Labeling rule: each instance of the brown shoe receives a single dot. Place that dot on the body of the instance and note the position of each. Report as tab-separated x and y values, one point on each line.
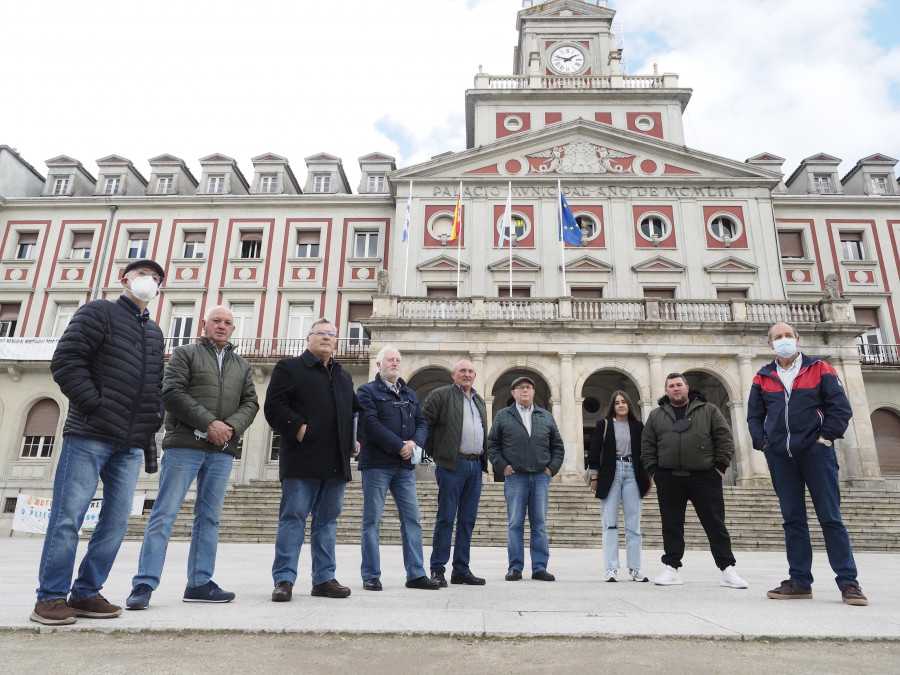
853	595
789	591
53	612
330	589
283	591
95	607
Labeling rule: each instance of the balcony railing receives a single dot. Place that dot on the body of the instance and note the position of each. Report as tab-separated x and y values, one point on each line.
880	354
576	81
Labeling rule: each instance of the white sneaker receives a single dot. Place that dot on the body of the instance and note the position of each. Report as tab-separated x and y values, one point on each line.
731	579
612	575
637	575
669	577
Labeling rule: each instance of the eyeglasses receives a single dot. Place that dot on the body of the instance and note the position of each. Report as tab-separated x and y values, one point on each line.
525	387
329	333
145	273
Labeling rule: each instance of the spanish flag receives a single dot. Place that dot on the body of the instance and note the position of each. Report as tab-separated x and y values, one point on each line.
457	216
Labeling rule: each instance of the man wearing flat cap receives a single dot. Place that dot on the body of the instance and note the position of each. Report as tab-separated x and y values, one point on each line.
526	447
109	364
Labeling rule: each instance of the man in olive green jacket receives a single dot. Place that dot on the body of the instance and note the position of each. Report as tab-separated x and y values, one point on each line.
210	400
686	448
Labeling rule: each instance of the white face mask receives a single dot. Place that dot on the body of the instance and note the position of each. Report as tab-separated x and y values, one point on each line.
785	347
144	288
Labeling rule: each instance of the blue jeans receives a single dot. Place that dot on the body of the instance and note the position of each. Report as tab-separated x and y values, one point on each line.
179	468
402	484
531	492
83	462
324	498
624	491
458	495
817	469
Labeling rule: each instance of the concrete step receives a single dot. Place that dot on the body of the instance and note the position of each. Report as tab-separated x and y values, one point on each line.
250	514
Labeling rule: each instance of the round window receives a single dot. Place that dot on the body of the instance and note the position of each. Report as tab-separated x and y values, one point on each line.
520	227
724	227
590	226
644	122
654	227
441	226
512	123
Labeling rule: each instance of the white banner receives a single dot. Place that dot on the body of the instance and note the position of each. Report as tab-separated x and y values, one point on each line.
27	349
33	513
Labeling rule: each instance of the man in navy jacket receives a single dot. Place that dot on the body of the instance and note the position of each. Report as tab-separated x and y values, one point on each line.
797	409
395	428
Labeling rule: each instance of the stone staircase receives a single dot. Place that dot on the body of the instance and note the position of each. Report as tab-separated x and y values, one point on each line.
250	514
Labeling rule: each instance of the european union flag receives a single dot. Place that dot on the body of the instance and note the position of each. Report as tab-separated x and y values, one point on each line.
571	233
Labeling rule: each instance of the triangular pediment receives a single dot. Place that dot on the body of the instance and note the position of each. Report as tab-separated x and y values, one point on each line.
731	264
377	157
588	264
216	159
658	264
62	159
518	265
584	148
878	157
441	263
822	157
269	157
165	159
113	159
321	157
766	157
566	8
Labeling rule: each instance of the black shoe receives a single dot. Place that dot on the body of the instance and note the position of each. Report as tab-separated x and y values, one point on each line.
330	589
440	578
466	578
513	575
423	583
543	575
372	585
283	591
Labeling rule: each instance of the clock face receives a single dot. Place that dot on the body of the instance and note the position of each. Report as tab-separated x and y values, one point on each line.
567	59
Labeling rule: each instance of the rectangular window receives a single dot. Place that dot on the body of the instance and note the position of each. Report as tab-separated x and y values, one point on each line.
268	183
587	293
61	186
322	182
440	292
869	342
366	245
300	318
81	245
791	245
251	245
824	184
377	183
244	322
137	244
9	317
164	185
194	244
517	292
663	293
64	312
37	446
27	246
852	246
357	336
308	243
112	186
216	185
879	185
182	325
731	293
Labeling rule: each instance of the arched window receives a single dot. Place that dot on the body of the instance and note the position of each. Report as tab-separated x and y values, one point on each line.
40	429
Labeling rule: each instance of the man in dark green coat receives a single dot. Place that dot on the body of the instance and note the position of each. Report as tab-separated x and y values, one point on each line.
210	400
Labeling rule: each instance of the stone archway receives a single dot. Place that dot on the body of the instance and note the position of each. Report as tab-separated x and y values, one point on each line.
886	427
596	395
502	396
717	393
426	381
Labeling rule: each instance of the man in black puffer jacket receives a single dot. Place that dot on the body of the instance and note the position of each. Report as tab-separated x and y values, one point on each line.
109	364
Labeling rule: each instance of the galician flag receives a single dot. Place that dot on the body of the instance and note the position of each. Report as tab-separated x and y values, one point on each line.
506	225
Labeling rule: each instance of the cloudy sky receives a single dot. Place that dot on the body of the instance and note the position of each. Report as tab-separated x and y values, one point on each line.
295	77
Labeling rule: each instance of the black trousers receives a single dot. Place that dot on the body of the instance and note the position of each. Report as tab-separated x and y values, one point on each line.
704	490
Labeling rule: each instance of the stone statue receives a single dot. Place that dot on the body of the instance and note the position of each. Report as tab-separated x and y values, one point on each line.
384	282
832	287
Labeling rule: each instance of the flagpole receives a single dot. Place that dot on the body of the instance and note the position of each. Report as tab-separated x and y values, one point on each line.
562	244
407	233
510	232
459	240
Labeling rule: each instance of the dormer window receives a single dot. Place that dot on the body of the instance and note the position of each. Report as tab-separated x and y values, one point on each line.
61	186
268	183
112	186
216	185
323	182
879	185
824	184
164	185
377	184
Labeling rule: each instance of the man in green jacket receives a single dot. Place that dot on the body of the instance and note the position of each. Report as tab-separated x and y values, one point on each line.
457	441
686	448
526	447
210	400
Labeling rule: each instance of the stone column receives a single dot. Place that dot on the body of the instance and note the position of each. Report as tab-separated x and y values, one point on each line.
478	363
569	421
657	377
857	448
751	467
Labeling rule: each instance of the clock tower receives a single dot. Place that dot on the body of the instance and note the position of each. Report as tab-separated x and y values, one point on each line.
567	66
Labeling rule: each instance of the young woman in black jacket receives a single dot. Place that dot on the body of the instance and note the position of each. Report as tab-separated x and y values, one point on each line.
618	477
